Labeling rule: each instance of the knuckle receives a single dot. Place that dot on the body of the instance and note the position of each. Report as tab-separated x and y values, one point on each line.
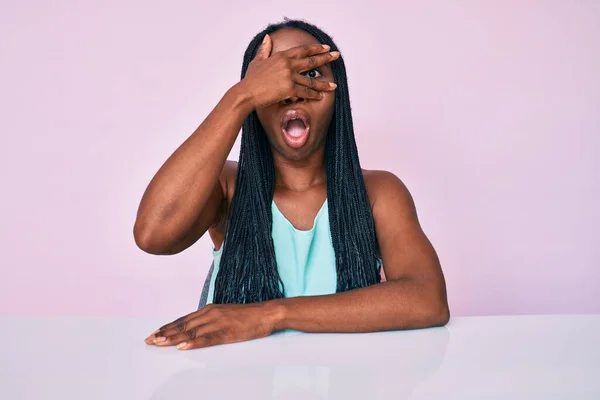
302	50
214	312
180	324
220	335
209	337
191	333
312	60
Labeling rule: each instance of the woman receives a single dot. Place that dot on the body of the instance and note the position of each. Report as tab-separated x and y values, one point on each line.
300	231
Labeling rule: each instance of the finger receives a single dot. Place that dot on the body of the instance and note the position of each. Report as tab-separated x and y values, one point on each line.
315	84
191	334
150	338
183	324
164	335
314	61
306	92
306	50
264	51
212	338
174	338
178	324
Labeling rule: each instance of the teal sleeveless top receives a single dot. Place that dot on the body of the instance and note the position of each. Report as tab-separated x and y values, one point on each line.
305	259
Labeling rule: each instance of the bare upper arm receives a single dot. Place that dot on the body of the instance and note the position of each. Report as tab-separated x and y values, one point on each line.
214	213
406	251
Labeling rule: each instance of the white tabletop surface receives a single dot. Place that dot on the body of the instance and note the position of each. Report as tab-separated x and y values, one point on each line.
517	357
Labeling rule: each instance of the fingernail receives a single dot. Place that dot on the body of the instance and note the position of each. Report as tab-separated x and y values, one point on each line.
265	39
159	339
335	54
326	47
333	85
181	345
151	336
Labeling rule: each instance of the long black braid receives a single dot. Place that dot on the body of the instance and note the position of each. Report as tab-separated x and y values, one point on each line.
248	269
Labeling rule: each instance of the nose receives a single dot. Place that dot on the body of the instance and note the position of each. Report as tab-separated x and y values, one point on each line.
293	100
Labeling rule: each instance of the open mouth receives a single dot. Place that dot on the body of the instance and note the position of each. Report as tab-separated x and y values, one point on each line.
295	126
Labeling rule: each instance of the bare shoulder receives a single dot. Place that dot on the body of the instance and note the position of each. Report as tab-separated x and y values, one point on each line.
385	188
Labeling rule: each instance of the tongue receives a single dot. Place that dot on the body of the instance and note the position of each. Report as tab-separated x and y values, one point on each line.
295	128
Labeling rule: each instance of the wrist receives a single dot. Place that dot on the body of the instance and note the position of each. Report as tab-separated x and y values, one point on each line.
276	312
241	97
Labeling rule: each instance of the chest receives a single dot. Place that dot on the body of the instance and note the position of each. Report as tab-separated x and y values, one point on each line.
300	210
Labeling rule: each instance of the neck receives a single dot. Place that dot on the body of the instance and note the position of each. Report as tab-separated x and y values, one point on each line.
300	175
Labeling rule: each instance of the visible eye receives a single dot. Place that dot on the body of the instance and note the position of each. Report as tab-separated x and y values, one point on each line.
313	73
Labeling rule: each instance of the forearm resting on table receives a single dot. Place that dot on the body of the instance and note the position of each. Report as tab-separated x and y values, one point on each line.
392	305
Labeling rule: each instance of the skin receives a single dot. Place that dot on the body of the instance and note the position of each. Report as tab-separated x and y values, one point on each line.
198	177
300	179
320	111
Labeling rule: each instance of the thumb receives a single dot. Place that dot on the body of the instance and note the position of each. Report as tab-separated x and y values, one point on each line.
264	51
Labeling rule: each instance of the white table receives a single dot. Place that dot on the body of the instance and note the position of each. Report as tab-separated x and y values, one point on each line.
519	357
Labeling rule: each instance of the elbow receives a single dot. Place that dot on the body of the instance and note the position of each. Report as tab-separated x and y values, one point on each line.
438	313
433	316
442	316
435	312
146	241
429	307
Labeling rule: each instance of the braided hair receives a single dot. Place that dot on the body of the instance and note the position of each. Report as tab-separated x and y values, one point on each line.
248	268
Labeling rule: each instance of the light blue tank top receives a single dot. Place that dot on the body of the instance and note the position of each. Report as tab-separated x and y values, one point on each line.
305	259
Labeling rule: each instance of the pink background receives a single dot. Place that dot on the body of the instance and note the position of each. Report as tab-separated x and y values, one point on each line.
489	112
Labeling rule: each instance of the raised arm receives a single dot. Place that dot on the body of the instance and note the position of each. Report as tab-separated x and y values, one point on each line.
188	191
187	195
